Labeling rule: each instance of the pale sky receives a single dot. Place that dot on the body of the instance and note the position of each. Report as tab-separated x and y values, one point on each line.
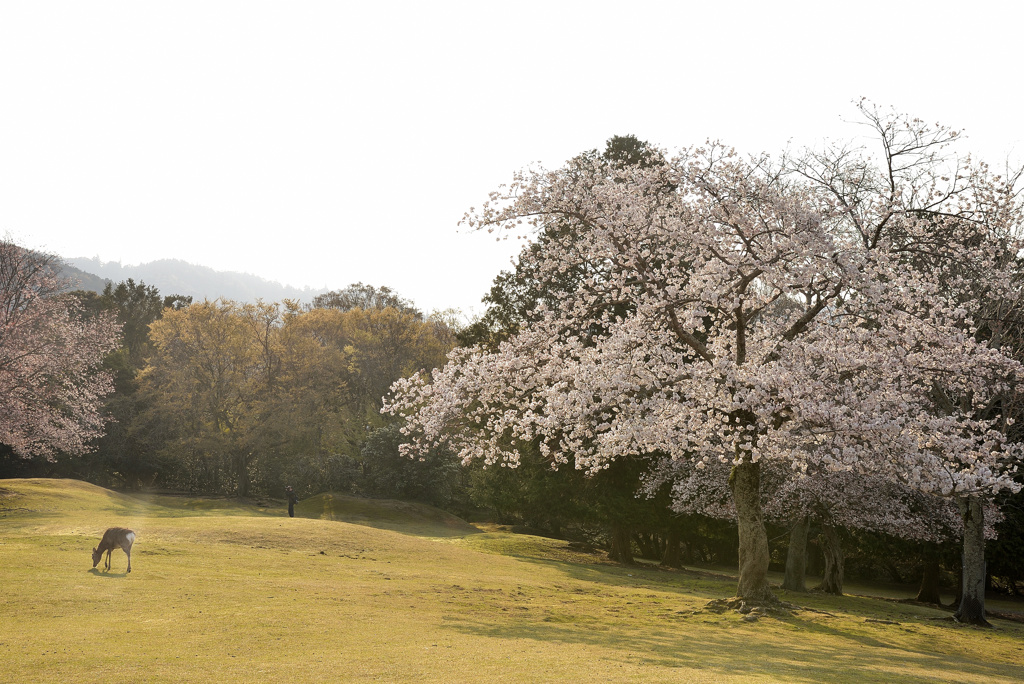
323	143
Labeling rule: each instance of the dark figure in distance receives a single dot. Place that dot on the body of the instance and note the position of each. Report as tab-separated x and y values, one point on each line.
292	500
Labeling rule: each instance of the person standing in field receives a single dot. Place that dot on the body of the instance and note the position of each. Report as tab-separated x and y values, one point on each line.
292	500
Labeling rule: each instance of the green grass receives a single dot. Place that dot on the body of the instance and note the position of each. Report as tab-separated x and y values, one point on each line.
355	590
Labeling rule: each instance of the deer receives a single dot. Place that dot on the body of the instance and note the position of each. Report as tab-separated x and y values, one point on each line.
113	538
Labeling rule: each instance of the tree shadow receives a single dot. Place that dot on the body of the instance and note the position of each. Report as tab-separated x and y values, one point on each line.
723	646
729	648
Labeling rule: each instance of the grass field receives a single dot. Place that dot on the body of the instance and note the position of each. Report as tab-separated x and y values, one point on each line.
355	590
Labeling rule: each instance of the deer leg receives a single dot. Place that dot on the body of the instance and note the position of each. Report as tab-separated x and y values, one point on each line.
128	552
107	566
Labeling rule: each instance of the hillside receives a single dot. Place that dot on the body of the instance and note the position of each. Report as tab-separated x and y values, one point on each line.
80	280
224	591
173	276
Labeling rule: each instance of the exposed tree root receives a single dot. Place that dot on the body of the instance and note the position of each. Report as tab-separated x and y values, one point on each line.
752	610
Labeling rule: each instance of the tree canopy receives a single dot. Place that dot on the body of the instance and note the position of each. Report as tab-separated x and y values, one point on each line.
817	311
51	380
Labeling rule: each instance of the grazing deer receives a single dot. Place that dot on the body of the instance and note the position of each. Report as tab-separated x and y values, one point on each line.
113	538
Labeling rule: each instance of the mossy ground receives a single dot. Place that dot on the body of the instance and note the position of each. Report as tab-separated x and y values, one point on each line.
354	590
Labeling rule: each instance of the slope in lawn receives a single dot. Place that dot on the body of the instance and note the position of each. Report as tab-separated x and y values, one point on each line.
385	514
220	591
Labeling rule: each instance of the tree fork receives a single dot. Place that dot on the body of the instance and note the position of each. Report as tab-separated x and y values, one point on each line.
672	557
832	547
621	545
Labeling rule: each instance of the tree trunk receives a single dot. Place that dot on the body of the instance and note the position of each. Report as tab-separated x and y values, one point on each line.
648	545
892	569
832	549
745	483
672	557
796	557
972	595
622	546
242	473
929	591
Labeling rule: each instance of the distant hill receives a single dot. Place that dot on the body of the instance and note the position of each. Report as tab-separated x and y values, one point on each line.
173	276
80	280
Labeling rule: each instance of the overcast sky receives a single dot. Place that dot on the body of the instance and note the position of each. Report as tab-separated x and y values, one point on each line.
323	143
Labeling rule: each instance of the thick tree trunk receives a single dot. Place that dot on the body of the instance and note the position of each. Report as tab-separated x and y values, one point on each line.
745	483
832	549
796	557
929	591
972	594
672	557
622	546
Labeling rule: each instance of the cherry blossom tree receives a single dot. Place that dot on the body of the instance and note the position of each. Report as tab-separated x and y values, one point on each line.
832	500
51	381
999	314
808	311
845	500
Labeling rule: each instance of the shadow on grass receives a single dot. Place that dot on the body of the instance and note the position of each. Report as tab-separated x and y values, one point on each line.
726	648
109	575
685	582
801	647
700	584
410	518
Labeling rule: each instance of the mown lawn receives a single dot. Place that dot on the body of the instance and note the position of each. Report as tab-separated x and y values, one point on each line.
384	591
